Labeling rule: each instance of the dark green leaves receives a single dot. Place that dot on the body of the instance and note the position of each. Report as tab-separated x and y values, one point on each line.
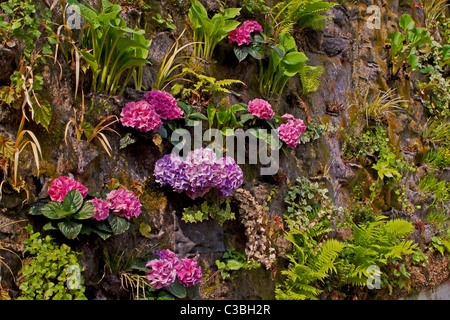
66	216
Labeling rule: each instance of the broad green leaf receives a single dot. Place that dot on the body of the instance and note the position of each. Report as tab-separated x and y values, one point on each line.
42	113
406	23
70	228
234	264
211	112
54	210
241	53
87	211
177	289
396	39
72	201
118	224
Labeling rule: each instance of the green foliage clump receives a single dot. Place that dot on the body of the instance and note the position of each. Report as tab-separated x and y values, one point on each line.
204	211
234	261
318	262
52	273
210	31
110	48
404	46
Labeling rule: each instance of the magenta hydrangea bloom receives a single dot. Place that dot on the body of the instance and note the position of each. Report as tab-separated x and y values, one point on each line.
165	104
62	185
242	35
140	115
188	272
101	209
170	170
169	255
233	177
261	108
124	203
163	272
290	131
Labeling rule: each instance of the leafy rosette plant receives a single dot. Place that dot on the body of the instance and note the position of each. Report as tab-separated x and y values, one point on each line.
72	214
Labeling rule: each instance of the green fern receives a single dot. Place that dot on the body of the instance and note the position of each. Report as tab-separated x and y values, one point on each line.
309	265
308	13
376	243
310	78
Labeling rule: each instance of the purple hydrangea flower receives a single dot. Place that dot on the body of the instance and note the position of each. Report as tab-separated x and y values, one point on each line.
232	179
170	170
199	173
169	255
203	171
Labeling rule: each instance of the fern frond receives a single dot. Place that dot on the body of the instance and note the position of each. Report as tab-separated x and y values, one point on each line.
310	78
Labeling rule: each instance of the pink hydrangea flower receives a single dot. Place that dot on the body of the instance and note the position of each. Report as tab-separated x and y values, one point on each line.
251	26
165	104
140	115
61	186
290	131
188	272
261	109
163	273
124	203
167	254
101	209
242	35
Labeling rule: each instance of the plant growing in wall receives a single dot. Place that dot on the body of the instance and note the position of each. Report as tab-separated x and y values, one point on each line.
110	48
72	215
51	272
405	46
210	31
284	62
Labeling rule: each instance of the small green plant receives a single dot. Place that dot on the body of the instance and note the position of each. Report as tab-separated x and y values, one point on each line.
440	244
405	46
439	158
439	190
436	132
172	62
110	48
302	13
51	272
311	263
199	213
380	106
284	62
166	23
210	31
233	262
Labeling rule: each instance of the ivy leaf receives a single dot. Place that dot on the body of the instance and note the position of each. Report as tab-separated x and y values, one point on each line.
69	228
